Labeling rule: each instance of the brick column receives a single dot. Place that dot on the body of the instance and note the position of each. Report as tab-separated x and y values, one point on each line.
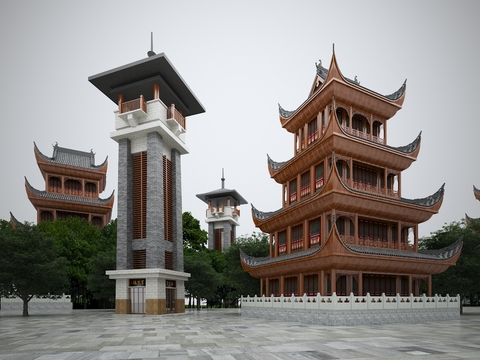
124	206
177	210
155	244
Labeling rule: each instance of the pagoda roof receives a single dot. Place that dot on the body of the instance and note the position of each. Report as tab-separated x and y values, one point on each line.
398	158
469	220
138	78
476	192
13	220
335	193
87	203
335	253
222	193
73	158
331	82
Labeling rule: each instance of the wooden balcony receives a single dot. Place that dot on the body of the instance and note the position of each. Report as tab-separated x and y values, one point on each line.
136	104
173	113
362	134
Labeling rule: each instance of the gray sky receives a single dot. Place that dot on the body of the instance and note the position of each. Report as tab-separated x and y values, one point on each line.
242	58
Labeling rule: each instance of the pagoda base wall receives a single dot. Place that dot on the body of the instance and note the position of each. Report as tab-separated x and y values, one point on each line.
353	310
354	317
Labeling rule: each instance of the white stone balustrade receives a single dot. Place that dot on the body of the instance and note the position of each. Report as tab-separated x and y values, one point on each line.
353	302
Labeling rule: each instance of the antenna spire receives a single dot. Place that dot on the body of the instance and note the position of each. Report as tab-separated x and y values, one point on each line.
223	180
151	52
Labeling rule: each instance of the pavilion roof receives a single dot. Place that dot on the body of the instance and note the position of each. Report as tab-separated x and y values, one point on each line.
70	157
69	198
324	76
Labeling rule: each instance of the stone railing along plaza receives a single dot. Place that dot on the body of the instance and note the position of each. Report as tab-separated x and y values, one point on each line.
41	302
351	310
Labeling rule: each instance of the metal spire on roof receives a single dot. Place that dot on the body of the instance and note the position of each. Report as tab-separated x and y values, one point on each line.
223	180
151	52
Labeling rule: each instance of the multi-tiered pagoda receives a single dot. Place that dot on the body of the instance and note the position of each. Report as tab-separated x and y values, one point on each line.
344	226
73	183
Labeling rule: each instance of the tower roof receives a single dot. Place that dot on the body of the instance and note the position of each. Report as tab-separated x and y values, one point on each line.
138	78
223	193
70	157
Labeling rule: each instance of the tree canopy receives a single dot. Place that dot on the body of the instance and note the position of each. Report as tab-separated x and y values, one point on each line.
90	251
218	277
30	263
463	278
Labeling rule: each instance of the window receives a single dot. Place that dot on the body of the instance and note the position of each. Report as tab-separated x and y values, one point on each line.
46	216
274	287
314	238
305	189
168	260
297	238
290	286
377	285
293	190
54	184
73	187
139	186
318	176
168	198
364	176
341	286
373	231
310	284
139	259
97	221
90	189
343	118
282	242
218	239
312	131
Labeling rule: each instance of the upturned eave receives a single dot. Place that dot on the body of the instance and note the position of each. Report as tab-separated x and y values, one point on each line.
335	254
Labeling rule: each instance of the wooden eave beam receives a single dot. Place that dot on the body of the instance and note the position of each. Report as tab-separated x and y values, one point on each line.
335	255
359	149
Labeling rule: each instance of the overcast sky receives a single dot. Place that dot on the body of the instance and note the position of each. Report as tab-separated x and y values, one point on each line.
241	59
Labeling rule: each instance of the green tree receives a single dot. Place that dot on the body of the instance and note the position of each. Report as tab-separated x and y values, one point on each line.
204	280
29	263
99	285
78	241
463	278
239	281
193	236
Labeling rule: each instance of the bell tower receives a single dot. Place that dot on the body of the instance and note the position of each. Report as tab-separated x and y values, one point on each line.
150	125
222	216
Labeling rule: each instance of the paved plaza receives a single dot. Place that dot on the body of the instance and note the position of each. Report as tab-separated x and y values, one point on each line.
225	334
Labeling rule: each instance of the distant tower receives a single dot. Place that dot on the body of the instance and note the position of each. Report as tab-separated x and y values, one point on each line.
73	183
153	101
222	216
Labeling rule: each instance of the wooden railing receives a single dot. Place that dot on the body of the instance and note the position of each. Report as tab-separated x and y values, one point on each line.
362	134
136	104
173	113
372	188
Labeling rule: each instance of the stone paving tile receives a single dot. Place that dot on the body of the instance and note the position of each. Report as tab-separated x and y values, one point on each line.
224	334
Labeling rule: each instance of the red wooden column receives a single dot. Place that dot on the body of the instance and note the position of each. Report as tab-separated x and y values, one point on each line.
360	283
321	283
301	285
333	281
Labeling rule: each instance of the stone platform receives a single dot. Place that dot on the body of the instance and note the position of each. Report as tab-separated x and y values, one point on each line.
224	334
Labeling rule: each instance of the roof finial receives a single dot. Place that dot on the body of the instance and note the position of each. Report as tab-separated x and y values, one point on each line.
333	47
223	180
151	53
